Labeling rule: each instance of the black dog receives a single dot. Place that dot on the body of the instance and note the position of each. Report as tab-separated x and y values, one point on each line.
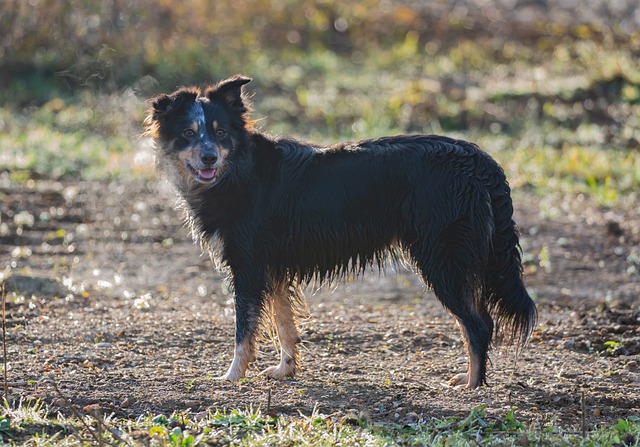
279	213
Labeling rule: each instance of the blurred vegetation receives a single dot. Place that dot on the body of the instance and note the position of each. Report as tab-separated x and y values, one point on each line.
547	91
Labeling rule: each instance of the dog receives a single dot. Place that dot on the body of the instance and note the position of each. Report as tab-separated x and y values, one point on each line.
278	213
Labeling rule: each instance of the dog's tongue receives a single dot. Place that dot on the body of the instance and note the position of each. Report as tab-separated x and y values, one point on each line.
207	173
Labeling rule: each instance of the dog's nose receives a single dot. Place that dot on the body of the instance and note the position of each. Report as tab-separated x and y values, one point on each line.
209	159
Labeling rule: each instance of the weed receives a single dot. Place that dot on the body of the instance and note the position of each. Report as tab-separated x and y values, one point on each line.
613	347
604	192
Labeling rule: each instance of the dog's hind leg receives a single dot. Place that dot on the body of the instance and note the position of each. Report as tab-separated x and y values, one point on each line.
476	327
448	266
476	332
288	336
475	323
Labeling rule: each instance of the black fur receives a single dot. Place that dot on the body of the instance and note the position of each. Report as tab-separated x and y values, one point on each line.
290	212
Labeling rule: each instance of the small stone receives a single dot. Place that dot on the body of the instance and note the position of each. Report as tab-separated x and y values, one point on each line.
597	412
104	345
91	407
631	365
412	417
567	344
192	404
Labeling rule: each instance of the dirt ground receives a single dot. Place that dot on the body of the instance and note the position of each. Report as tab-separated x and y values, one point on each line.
108	298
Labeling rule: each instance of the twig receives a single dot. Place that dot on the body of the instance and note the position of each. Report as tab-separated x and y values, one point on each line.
96	416
76	414
583	407
113	432
4	343
269	401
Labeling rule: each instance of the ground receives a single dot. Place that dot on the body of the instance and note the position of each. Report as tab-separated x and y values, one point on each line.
108	299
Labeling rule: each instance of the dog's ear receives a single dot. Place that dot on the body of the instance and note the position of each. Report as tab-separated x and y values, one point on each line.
162	106
165	104
230	92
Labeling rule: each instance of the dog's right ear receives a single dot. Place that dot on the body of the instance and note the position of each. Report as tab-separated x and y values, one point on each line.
165	104
162	106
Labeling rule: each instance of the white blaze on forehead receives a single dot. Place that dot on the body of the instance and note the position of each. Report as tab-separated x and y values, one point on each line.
196	116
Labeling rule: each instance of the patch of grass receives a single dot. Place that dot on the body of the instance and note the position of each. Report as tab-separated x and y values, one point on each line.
91	138
32	424
607	176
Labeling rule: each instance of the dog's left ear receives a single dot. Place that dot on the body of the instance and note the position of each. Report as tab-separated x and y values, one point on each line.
230	92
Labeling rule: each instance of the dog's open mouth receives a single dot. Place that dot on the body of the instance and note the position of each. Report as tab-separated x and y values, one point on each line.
207	175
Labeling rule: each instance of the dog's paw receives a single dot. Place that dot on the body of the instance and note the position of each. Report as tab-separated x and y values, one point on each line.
280	372
465	380
461	379
231	376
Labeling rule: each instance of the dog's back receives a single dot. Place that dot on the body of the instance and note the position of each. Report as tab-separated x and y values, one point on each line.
338	209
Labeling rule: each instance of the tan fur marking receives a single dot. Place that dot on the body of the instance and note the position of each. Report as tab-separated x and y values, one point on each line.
195	126
460	379
151	126
185	177
243	354
288	335
216	125
189	154
471	378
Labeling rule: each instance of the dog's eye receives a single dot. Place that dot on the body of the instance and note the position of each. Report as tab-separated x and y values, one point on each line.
220	133
188	133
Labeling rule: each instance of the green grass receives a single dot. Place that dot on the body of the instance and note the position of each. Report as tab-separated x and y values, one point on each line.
93	137
32	424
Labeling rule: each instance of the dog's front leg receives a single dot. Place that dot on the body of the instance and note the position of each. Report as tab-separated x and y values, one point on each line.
249	306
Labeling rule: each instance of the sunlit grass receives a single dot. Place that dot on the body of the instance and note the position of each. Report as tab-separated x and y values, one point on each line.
32	424
605	175
91	138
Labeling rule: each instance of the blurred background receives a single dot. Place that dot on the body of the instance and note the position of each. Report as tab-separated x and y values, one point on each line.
555	83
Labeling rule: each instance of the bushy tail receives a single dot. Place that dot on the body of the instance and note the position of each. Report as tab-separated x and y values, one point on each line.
504	292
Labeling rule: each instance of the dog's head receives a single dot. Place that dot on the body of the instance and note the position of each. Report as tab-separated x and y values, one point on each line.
197	135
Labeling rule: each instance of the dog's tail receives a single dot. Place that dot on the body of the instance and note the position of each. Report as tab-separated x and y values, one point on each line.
504	292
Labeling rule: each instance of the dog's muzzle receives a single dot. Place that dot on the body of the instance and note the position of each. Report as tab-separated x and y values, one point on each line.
206	171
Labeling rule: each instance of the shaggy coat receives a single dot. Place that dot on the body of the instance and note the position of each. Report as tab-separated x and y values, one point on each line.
279	213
